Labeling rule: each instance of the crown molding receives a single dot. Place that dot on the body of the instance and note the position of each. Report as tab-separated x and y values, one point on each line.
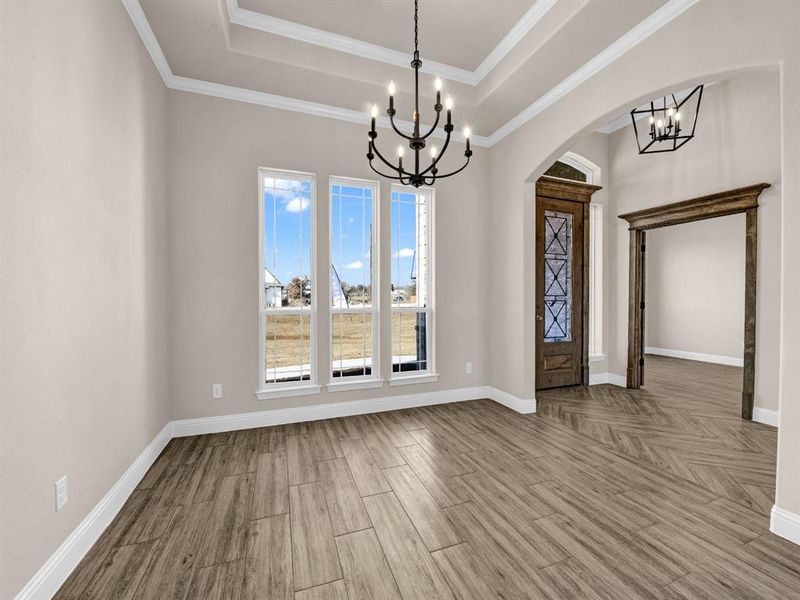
341	43
629	40
218	90
149	40
512	38
639	33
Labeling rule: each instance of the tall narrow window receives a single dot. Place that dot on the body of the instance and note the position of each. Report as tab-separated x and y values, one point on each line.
287	275
412	297
354	266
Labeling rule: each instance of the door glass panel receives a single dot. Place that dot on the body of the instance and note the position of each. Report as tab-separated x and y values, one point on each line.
557	276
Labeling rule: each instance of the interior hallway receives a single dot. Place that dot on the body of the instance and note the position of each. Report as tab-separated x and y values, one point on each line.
606	493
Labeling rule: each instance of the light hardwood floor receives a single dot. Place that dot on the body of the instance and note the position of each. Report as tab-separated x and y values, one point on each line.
661	493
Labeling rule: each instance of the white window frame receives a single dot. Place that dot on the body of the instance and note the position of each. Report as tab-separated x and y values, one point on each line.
266	391
374	379
429	375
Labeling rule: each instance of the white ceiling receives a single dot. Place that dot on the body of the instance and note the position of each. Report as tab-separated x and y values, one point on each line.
502	60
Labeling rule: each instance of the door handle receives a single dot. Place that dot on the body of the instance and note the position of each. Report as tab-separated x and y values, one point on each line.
539	318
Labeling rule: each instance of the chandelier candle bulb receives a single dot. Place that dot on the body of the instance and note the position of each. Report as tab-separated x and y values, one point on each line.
434	151
392	90
374	114
438	87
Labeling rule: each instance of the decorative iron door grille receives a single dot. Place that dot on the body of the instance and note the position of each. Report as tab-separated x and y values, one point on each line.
557	276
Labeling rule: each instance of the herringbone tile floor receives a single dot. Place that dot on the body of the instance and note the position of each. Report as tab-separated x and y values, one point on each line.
684	421
606	494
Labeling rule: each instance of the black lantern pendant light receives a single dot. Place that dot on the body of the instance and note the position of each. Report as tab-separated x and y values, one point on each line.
670	125
416	175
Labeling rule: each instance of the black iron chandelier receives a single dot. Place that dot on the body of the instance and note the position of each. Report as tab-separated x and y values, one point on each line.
416	142
669	126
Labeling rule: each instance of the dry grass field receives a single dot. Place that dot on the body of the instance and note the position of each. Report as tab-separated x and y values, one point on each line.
288	338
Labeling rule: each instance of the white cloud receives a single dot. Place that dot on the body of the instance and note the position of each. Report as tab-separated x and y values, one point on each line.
357	264
404	253
297	205
350	220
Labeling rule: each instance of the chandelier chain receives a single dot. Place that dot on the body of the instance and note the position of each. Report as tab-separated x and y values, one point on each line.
416	26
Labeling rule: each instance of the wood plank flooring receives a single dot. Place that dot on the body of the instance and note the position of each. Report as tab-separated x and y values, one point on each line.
660	493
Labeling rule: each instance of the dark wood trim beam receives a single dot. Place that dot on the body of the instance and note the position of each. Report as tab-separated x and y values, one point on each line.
635	370
697	209
564	189
750	279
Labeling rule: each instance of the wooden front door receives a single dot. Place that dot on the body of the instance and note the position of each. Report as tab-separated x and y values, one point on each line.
562	293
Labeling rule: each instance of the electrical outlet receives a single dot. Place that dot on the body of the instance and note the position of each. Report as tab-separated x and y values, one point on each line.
468	367
216	391
62	494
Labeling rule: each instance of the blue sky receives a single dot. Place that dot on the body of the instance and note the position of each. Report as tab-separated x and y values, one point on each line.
287	231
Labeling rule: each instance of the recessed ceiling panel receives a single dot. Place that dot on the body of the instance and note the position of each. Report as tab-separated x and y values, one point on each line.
460	33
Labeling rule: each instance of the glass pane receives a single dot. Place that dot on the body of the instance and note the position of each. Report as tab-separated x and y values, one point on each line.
351	245
287	242
557	276
351	344
288	348
409	341
410	248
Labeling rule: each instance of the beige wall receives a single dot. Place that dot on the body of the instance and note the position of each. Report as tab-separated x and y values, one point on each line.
84	363
695	272
215	149
695	288
704	43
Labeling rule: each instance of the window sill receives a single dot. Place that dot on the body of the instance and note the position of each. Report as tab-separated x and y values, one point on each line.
412	379
362	384
597	357
285	392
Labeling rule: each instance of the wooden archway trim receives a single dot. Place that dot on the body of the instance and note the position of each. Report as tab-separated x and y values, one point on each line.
731	202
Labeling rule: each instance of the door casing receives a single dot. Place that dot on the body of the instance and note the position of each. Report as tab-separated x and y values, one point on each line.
731	202
554	191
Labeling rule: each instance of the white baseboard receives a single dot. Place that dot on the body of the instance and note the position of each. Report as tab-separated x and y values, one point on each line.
612	378
525	406
719	359
54	572
50	577
316	412
765	416
785	524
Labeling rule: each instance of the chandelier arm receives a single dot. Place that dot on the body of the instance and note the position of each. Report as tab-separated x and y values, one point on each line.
464	166
433	128
386	162
397	131
384	174
440	155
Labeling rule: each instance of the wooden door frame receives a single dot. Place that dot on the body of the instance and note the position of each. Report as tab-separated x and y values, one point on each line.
731	202
575	191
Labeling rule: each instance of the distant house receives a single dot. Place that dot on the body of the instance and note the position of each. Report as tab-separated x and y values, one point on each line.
273	290
399	295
